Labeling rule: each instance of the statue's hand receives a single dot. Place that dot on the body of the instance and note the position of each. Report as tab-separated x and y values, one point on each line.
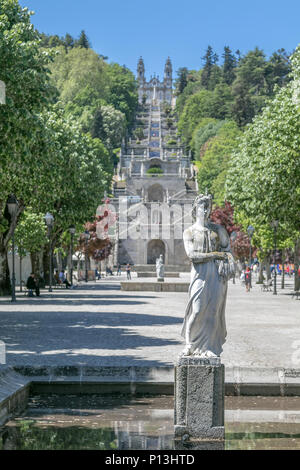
227	268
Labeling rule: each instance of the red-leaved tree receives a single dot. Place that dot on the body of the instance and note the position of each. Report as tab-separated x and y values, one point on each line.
99	245
225	216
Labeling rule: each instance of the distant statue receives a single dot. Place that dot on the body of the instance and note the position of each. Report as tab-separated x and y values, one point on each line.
208	247
160	270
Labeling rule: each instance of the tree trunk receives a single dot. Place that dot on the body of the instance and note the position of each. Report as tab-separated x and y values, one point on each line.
296	264
5	286
46	264
59	261
268	269
35	264
261	273
5	237
21	285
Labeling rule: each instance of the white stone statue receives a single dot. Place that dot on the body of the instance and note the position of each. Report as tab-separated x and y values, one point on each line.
160	270
208	247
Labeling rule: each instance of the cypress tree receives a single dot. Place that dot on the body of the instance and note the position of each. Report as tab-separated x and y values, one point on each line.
83	41
69	41
228	66
211	73
182	80
210	60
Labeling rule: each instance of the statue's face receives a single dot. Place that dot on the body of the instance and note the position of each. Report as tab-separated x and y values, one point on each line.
203	208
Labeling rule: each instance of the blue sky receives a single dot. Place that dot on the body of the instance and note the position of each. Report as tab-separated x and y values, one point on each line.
182	29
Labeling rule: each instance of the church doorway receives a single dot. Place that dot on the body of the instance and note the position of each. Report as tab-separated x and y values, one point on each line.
156	193
155	249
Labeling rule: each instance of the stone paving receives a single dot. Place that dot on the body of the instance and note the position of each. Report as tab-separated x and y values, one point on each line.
99	325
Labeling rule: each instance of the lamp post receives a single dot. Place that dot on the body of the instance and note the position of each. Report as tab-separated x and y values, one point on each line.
87	237
49	219
72	231
12	206
250	231
233	237
274	225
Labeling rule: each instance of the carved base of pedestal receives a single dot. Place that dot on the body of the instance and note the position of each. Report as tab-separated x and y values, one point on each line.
199	399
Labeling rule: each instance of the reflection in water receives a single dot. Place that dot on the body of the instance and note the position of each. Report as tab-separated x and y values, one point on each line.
124	422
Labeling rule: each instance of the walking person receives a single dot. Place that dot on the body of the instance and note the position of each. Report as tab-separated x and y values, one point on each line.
32	285
97	275
63	279
128	271
119	272
248	279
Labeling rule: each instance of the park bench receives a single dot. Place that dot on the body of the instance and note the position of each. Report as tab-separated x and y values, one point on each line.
267	287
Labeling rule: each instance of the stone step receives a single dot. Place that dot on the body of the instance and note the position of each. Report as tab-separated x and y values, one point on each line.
140	286
151	268
143	274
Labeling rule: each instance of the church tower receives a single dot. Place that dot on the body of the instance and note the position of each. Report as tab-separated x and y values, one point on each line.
168	73
141	72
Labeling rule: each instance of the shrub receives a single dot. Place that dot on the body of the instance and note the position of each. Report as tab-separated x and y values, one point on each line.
155	170
172	142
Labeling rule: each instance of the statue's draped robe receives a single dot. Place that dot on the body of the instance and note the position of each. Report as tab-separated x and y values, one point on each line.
207	301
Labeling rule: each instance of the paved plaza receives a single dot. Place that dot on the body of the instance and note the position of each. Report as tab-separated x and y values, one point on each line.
98	324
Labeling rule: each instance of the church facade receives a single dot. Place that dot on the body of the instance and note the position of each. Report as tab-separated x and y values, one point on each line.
155	183
155	90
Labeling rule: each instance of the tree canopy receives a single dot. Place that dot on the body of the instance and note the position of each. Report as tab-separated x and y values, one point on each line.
263	179
51	162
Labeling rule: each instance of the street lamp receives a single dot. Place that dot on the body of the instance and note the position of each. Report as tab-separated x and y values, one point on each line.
233	237
72	231
12	206
274	225
87	237
49	219
250	231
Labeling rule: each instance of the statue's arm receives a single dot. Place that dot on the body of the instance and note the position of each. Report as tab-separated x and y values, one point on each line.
197	256
228	269
188	243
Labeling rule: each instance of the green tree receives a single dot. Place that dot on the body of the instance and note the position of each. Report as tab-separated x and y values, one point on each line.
31	236
77	70
24	70
229	66
222	101
197	107
206	129
280	69
212	168
210	74
250	88
83	41
113	124
122	91
86	83
181	80
264	172
69	41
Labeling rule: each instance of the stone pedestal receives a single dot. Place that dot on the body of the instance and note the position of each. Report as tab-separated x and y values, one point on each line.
199	399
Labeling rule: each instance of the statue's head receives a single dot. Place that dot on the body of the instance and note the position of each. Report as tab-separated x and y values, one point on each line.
203	205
